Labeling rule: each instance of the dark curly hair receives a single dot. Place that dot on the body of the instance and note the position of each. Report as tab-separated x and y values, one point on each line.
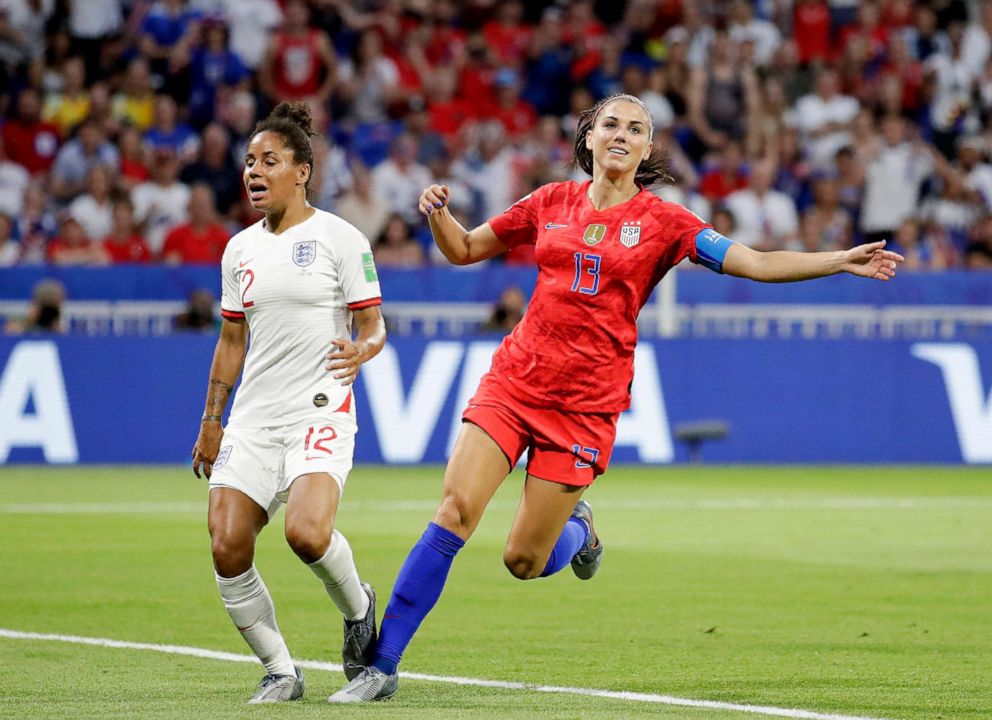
651	171
294	124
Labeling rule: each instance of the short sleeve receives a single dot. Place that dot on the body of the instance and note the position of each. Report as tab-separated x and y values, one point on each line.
357	273
686	226
230	299
517	225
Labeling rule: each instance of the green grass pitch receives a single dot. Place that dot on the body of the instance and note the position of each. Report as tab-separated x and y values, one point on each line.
854	591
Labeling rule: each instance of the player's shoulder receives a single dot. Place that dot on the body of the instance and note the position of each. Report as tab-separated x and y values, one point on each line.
243	237
555	193
334	231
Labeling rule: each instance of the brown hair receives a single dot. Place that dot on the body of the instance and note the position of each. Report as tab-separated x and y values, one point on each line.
294	124
651	171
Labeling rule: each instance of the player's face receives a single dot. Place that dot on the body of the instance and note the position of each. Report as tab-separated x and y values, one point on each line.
620	139
271	173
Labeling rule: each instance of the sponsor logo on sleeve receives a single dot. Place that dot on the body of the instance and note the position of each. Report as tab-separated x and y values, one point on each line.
368	266
304	253
630	233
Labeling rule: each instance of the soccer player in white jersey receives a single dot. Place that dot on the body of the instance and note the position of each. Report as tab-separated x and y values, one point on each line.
295	281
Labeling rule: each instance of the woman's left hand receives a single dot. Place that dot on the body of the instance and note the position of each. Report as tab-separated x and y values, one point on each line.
872	260
345	360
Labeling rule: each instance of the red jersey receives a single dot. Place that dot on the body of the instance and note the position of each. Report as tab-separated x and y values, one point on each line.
574	348
192	246
132	250
32	146
298	65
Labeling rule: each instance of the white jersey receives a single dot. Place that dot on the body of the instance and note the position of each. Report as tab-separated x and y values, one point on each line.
296	291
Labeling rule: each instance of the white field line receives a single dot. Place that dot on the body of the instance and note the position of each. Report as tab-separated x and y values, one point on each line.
451	680
738	503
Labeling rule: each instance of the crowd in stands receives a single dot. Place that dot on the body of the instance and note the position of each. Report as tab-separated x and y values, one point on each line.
797	124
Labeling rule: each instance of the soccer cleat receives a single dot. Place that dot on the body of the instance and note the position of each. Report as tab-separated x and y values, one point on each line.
587	559
359	639
370	684
279	688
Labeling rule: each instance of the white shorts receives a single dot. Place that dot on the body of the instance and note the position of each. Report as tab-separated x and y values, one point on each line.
263	462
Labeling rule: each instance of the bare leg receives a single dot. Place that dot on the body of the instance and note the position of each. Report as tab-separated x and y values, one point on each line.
541	516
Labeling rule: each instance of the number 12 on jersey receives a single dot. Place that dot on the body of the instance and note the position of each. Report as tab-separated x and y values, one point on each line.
586	264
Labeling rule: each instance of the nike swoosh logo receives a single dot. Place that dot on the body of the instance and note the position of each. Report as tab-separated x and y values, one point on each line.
242	264
554	226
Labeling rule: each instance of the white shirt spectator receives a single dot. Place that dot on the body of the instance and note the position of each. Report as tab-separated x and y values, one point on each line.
954	80
763	34
370	104
161	208
95	18
96	218
892	186
975	47
813	112
29	22
769	220
10	252
14	181
251	23
662	114
979	179
401	187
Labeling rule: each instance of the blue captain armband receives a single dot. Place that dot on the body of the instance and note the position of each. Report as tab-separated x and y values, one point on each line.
711	249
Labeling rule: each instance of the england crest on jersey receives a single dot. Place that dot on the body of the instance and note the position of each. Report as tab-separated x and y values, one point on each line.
630	233
304	253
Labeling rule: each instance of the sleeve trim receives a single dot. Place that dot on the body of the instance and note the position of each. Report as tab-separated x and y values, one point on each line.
232	314
362	304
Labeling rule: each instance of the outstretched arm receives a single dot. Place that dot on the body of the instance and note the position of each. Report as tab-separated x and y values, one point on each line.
459	246
870	260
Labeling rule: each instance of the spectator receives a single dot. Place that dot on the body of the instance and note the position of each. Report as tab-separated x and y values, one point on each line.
199	312
239	117
548	65
396	247
124	244
216	168
71	105
726	177
10	251
766	218
811	30
14	181
91	24
24	37
515	114
331	176
972	152
400	178
30	141
744	27
976	45
160	204
953	82
887	204
694	35
35	225
73	246
202	239
134	162
167	33
723	221
93	209
166	132
506	34
89	149
489	171
978	253
507	312
447	114
134	103
362	206
215	71
824	118
45	312
299	63
655	97
369	80
252	23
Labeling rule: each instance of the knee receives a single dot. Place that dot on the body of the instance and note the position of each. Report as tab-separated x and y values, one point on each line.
232	555
454	514
522	564
308	541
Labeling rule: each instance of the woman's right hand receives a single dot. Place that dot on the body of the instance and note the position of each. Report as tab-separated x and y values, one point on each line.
207	446
433	198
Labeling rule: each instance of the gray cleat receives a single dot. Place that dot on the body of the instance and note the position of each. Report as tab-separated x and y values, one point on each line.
279	688
371	684
587	559
359	639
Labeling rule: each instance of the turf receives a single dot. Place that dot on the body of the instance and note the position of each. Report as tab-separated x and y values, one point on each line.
842	590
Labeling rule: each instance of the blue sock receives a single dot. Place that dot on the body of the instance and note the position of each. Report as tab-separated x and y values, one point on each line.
417	590
571	540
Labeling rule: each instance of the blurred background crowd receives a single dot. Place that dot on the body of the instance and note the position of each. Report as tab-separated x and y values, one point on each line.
809	124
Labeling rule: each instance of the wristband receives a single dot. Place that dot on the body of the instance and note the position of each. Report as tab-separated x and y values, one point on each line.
210	418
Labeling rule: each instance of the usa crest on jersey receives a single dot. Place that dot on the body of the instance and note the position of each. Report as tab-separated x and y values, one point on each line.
630	233
304	253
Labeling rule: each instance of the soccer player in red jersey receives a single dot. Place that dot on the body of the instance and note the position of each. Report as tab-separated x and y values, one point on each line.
559	381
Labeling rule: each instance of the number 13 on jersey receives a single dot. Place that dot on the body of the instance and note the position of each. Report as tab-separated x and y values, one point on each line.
586	273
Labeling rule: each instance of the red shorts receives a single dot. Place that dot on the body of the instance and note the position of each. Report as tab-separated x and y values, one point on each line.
570	448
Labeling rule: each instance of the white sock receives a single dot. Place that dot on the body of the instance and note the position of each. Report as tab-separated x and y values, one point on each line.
340	577
250	606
